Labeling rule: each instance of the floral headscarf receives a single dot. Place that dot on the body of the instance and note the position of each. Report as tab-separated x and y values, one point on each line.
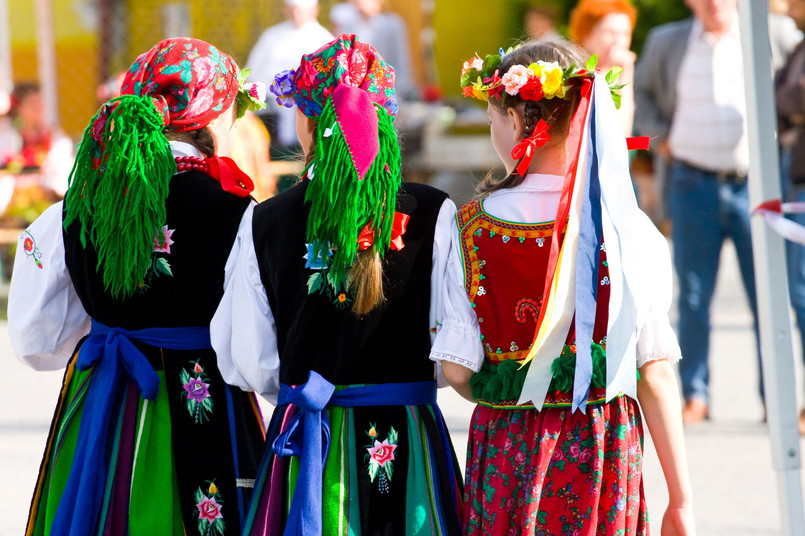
195	79
121	176
349	90
343	61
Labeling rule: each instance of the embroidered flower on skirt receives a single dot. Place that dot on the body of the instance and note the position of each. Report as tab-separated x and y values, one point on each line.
196	386
209	505
380	456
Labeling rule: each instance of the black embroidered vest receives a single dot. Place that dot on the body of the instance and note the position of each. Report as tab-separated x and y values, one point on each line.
390	344
186	283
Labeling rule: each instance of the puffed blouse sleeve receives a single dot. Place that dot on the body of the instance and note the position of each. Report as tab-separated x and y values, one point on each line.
458	335
46	319
655	337
243	331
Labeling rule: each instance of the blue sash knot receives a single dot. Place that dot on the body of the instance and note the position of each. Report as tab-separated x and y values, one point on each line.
308	436
107	348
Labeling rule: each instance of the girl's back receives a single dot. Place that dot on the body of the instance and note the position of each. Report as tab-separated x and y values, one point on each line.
185	281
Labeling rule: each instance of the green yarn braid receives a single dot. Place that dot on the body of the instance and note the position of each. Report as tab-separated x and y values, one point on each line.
118	190
341	204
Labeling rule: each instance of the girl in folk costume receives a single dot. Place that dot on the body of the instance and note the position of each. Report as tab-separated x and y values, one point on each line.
557	295
147	438
330	294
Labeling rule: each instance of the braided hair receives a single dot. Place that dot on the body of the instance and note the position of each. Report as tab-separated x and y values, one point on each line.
555	112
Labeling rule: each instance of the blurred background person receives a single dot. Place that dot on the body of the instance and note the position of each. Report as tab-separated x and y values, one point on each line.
604	28
539	21
689	95
250	151
38	156
277	49
386	31
790	98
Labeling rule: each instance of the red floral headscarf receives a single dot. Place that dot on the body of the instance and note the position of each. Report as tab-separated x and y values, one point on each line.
191	80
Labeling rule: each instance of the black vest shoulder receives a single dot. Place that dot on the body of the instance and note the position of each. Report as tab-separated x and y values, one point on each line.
204	220
392	343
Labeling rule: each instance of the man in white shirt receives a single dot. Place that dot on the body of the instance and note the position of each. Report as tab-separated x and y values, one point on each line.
689	96
279	48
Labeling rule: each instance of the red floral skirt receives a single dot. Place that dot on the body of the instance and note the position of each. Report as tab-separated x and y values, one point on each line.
554	473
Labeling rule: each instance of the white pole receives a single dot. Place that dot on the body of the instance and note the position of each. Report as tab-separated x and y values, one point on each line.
46	59
769	257
5	47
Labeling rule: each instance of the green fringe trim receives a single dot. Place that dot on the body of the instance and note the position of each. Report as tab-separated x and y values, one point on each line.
341	205
504	381
118	189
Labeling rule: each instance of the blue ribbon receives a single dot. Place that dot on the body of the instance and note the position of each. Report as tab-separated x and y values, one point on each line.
590	239
308	436
108	348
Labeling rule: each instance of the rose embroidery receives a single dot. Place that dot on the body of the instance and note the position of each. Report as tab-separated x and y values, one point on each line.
380	456
382	452
208	510
163	240
30	249
196	391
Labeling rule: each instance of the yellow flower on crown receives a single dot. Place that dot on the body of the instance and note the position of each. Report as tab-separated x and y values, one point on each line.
551	80
536	68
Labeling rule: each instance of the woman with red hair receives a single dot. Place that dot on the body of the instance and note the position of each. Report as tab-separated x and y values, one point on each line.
604	27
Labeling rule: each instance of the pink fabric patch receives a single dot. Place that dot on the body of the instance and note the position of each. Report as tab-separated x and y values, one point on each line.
358	120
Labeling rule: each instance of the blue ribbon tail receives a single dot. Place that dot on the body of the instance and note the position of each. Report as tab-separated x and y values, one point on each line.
590	240
308	436
110	351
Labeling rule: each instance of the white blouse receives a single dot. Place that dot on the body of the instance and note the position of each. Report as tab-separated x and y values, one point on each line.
534	201
45	316
243	331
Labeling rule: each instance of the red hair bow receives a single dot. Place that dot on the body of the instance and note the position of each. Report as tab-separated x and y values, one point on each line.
524	151
366	238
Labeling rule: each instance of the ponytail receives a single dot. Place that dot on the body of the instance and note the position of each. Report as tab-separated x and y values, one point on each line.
366	278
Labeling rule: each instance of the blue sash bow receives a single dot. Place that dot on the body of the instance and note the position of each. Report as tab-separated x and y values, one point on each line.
308	435
107	349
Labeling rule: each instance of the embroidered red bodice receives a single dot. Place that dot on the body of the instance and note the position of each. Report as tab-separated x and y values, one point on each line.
505	266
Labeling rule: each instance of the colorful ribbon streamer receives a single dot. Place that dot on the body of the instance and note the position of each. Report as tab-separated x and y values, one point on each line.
773	211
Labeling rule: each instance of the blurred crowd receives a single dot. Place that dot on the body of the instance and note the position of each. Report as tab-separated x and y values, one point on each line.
685	92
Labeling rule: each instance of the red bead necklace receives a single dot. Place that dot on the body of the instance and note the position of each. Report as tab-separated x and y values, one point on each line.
186	163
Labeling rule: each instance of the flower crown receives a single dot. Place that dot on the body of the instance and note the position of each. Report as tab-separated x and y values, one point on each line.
251	95
481	79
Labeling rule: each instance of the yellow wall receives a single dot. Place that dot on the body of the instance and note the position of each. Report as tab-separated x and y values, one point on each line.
465	28
233	26
76	58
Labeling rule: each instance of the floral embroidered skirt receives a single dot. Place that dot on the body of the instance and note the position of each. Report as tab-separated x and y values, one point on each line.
552	473
390	470
183	463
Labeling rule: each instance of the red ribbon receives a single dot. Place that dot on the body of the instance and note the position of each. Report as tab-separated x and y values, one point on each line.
638	143
231	177
772	205
366	238
524	151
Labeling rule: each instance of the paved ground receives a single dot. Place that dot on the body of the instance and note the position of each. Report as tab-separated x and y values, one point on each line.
730	456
